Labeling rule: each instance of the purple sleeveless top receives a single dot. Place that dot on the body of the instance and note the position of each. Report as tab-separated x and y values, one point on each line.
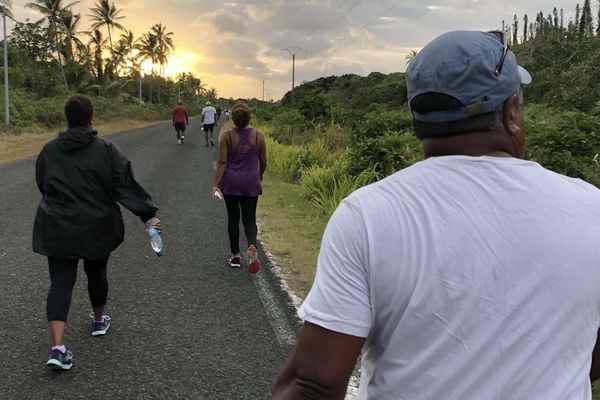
242	174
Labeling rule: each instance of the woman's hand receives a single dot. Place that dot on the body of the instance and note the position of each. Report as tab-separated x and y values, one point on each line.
154	222
216	193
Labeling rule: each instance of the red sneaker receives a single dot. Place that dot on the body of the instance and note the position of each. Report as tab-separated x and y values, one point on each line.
253	262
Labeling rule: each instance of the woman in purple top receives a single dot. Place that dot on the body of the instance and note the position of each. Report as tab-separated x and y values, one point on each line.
242	162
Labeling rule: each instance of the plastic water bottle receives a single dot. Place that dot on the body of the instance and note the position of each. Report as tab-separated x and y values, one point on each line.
155	241
218	195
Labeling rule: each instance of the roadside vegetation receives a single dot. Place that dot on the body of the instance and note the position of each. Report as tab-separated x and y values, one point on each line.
57	56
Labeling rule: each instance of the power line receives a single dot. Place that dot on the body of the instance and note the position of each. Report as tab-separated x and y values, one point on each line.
329	16
342	16
337	20
382	14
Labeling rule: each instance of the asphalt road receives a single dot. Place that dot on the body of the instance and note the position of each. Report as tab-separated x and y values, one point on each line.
184	326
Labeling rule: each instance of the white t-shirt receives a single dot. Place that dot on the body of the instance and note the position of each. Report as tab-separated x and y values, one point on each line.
471	278
209	113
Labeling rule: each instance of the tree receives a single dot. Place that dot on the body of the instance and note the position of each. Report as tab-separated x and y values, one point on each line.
515	30
410	56
52	9
68	26
148	50
562	19
32	40
598	26
525	22
165	44
586	24
106	14
96	46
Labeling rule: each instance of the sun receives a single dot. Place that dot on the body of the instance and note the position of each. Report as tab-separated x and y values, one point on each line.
178	62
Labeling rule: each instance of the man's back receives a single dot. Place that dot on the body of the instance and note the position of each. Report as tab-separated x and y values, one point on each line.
473	277
209	113
180	114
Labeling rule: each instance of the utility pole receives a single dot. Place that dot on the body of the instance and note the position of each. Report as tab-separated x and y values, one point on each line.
294	51
6	106
140	73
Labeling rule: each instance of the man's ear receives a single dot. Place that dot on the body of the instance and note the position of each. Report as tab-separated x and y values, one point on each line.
512	119
513	115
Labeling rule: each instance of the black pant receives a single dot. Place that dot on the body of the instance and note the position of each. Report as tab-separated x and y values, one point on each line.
63	274
247	205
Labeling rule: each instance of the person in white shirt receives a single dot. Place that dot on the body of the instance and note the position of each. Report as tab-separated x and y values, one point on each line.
471	275
209	119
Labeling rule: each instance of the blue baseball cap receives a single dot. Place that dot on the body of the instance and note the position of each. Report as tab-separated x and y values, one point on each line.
474	67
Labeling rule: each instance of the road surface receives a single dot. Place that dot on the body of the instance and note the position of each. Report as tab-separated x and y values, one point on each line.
184	326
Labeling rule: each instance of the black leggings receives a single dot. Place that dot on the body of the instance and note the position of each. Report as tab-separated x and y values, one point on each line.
248	207
63	274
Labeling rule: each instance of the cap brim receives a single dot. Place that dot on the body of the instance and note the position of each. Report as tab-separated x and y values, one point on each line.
524	75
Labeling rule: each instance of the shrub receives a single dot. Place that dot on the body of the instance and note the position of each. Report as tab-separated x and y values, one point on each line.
287	161
381	123
289	127
327	187
385	154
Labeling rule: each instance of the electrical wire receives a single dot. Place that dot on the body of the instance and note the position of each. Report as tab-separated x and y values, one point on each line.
334	22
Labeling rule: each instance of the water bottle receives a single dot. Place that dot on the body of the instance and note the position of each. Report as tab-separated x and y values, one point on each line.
155	240
218	195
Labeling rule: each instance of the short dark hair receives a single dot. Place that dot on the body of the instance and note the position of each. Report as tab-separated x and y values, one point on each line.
79	111
240	114
433	102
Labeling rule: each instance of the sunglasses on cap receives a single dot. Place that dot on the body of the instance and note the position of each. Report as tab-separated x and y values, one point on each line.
501	36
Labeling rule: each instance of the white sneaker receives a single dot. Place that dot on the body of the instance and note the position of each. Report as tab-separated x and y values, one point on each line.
178	141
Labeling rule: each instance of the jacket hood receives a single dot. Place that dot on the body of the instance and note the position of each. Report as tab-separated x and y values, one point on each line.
76	138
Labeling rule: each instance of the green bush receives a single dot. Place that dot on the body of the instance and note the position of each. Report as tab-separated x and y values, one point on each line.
381	123
327	187
287	161
290	127
385	154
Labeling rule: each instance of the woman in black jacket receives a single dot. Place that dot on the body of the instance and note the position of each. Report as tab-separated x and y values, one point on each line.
82	177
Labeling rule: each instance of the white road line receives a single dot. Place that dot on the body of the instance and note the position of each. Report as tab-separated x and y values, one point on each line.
283	331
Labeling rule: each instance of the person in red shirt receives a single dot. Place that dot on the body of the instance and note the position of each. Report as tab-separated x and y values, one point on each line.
180	120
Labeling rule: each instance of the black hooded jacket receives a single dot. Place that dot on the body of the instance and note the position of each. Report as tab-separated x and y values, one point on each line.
82	177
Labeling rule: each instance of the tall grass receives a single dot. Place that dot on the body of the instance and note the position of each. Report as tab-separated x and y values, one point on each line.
287	161
327	187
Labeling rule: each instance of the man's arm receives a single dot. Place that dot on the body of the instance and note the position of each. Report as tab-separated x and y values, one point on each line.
319	366
595	370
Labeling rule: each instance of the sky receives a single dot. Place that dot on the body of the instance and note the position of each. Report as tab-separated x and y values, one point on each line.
239	47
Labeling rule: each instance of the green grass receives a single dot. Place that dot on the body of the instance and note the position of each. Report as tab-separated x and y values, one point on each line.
291	227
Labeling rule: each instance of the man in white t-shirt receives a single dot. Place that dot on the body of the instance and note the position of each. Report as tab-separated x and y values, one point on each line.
209	119
471	275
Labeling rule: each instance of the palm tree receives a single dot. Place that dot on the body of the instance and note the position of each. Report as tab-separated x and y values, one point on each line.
5	8
164	42
96	45
106	14
409	57
68	25
165	46
148	50
52	9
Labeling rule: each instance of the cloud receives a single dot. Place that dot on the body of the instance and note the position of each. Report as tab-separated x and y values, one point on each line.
233	45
